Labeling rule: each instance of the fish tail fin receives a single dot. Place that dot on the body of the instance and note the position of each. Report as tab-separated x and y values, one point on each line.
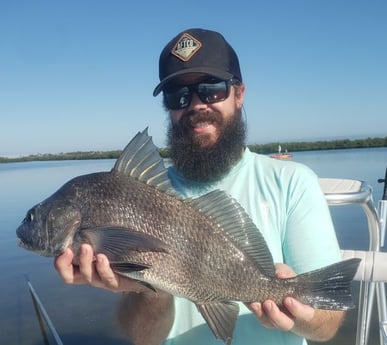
329	287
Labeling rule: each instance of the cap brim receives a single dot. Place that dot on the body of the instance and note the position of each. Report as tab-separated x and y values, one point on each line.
213	72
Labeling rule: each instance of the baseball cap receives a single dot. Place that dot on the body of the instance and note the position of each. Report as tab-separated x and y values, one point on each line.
197	51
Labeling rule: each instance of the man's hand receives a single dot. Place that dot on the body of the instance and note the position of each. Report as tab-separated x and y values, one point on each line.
271	316
301	319
145	316
92	270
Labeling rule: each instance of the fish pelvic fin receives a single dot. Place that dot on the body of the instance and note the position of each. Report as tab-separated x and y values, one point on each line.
221	318
141	160
329	287
231	217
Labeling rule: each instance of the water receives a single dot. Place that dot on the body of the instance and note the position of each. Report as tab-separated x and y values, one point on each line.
84	314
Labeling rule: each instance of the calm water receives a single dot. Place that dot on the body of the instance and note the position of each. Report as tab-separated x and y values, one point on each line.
85	315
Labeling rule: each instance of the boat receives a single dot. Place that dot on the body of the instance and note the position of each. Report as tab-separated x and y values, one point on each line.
281	155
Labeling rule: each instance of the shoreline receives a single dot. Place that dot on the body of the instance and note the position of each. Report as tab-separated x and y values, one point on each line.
261	148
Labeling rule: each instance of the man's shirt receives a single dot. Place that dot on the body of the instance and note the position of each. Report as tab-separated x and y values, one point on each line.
285	201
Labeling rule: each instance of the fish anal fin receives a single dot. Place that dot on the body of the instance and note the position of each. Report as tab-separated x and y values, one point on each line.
221	318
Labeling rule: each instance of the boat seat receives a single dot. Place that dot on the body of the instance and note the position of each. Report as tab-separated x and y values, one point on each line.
345	191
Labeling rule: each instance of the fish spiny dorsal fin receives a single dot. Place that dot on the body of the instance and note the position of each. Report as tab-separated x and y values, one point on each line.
141	160
237	224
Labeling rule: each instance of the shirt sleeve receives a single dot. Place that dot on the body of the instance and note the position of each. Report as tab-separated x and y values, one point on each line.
309	240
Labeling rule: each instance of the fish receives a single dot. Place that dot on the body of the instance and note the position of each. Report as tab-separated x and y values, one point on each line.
205	249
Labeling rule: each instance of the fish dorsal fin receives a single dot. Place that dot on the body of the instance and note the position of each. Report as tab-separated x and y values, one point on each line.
237	224
141	160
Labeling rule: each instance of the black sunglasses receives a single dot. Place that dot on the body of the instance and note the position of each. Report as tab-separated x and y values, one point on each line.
209	91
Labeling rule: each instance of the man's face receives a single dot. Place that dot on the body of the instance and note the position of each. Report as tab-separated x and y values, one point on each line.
202	122
206	140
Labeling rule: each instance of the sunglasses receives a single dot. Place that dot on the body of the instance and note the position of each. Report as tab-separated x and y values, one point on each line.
209	91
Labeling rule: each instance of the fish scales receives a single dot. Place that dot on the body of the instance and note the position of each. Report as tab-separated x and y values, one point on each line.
124	201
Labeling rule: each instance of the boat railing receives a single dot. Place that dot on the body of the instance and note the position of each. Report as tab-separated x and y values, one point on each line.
347	192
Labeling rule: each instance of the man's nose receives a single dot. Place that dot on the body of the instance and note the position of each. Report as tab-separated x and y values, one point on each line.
196	102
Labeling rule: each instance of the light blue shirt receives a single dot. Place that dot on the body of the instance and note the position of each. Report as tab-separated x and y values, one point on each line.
285	201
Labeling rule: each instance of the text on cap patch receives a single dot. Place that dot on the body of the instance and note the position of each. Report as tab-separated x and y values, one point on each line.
186	47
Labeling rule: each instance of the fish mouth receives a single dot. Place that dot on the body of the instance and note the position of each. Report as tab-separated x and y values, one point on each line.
34	247
41	252
23	243
29	246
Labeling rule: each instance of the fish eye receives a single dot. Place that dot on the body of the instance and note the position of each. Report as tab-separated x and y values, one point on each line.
29	217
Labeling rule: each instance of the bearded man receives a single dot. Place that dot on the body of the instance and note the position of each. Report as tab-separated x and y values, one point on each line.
203	93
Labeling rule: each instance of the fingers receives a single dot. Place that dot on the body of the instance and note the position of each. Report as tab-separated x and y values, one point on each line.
277	318
96	271
86	265
70	273
257	309
108	278
299	311
64	265
92	270
270	315
283	271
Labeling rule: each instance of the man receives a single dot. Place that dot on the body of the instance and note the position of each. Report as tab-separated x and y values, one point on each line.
203	93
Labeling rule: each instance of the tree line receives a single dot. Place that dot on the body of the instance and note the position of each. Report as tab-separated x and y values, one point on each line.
320	145
258	148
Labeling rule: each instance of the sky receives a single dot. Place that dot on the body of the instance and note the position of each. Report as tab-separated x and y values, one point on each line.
78	75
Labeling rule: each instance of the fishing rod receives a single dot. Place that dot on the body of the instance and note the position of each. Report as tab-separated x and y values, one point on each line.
383	210
42	311
384	197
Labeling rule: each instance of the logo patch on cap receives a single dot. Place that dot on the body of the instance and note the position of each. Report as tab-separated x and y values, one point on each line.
186	47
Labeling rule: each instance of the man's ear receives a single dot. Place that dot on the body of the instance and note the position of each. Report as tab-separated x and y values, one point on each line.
239	95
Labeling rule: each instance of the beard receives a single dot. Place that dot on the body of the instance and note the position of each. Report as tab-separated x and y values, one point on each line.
195	156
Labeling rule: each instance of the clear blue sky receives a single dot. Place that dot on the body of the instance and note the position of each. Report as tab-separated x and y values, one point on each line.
78	75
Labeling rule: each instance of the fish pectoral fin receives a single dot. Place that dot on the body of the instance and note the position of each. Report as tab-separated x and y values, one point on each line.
116	242
128	267
147	285
221	318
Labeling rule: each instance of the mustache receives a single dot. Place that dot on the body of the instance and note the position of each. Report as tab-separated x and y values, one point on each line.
194	117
